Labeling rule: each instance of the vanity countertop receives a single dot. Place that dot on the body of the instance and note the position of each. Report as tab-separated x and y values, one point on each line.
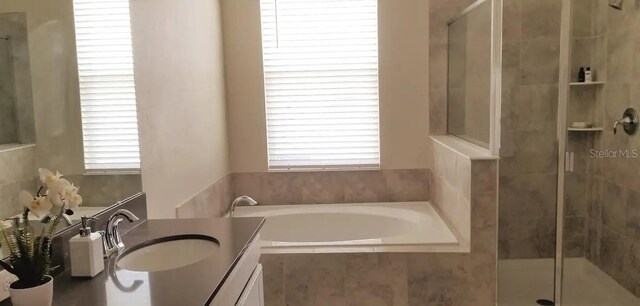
195	284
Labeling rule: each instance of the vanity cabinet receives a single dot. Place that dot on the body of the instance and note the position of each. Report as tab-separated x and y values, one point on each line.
244	286
253	294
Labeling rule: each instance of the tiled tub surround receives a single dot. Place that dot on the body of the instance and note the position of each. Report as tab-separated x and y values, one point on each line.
106	189
318	187
397	279
328	187
452	180
213	201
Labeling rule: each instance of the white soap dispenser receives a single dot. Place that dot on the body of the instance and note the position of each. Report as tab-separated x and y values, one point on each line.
86	251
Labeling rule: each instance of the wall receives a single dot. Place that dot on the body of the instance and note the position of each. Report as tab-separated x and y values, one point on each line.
403	77
181	102
53	83
608	213
528	164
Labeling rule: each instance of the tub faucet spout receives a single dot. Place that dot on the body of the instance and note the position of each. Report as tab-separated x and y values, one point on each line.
242	199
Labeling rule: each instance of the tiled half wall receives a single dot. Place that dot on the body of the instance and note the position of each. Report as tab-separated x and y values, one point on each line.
320	187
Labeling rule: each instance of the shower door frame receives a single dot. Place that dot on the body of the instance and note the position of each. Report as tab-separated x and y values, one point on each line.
562	135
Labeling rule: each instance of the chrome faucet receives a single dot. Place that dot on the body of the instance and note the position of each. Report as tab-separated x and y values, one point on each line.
242	199
112	242
629	122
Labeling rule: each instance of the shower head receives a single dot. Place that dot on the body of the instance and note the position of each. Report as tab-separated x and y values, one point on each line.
616	4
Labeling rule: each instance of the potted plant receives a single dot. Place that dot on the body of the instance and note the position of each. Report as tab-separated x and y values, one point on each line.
30	252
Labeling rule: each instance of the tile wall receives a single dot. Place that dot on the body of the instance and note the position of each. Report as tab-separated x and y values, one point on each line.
528	165
213	201
605	192
327	187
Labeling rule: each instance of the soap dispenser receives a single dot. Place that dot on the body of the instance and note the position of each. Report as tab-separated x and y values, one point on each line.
86	251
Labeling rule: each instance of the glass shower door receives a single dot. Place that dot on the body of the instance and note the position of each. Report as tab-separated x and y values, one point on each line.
601	209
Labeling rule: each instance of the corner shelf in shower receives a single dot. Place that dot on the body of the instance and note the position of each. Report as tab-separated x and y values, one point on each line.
591	129
586	83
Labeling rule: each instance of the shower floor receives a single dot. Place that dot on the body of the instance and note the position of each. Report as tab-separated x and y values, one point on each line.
523	281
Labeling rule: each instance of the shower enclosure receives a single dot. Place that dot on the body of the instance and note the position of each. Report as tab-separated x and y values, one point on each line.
569	202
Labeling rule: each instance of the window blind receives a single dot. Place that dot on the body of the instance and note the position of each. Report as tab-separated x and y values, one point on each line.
321	83
107	89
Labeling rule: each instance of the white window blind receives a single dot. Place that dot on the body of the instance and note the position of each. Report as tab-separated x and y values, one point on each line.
107	89
321	83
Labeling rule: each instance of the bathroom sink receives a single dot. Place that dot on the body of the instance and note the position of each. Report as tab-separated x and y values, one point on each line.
168	253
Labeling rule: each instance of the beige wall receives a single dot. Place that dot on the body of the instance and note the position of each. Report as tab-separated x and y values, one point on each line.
181	99
54	78
403	57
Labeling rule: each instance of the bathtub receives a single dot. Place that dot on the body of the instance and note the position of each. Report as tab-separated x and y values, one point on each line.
349	228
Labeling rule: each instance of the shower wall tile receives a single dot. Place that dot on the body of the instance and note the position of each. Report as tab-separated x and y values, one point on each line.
575	195
582	21
539	61
631	277
614	207
574	238
536	108
526	237
633	216
619	59
330	187
512	20
540	19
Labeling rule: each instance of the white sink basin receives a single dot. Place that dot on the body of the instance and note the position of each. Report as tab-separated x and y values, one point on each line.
168	253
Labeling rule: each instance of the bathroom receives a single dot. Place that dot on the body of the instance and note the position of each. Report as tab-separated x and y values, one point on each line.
315	153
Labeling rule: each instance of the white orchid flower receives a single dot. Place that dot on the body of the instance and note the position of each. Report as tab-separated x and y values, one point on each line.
59	186
75	201
55	198
38	206
72	197
48	178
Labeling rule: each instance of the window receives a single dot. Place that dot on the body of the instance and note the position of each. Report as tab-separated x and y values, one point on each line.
107	89
321	83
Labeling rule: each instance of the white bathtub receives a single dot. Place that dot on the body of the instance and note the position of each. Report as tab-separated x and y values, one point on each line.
371	227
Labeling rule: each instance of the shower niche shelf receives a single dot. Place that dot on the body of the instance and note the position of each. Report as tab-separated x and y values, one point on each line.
591	129
580	84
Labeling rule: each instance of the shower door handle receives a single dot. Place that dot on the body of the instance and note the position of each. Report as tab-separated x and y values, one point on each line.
568	161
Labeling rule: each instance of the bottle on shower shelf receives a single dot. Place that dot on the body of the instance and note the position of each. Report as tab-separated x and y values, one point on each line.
588	75
581	75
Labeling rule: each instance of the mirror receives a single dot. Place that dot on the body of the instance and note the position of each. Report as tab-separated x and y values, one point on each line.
67	102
